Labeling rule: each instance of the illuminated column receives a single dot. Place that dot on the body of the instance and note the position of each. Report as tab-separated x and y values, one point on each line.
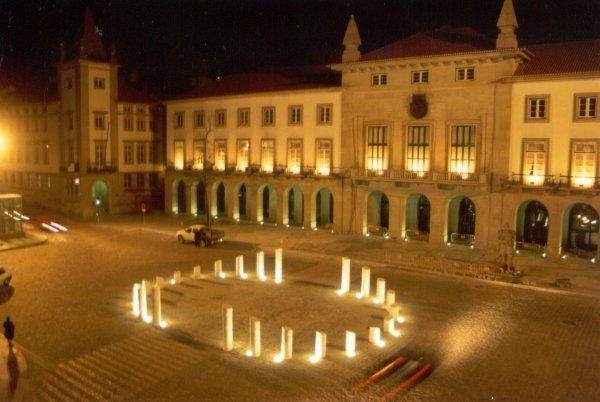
260	265
278	265
390	298
289	342
136	299
380	296
144	303
156	308
219	269
375	336
350	344
227	327
197	272
254	350
345	284
320	347
389	326
160	281
239	267
176	278
394	311
365	283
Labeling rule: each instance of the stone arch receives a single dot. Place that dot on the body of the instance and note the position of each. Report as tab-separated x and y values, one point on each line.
218	207
376	218
266	205
241	202
321	212
198	201
293	206
461	220
531	223
580	227
100	195
178	197
418	217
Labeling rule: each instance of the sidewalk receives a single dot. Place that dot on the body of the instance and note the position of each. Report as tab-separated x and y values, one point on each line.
12	367
456	260
30	239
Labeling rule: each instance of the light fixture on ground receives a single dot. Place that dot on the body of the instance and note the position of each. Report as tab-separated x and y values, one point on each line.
227	311
380	291
320	347
254	350
197	272
260	265
156	308
136	299
219	269
350	344
365	283
345	281
375	336
278	265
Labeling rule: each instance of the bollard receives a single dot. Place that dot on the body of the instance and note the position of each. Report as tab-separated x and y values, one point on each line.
227	327
136	299
345	282
260	265
219	269
239	267
278	265
375	336
350	344
365	283
380	294
395	311
176	278
389	326
144	303
390	298
320	347
254	350
289	342
197	272
156	308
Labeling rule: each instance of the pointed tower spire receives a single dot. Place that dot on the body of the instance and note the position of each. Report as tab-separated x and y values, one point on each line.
90	44
351	42
507	24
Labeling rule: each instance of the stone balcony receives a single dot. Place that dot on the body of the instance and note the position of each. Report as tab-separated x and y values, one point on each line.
564	183
473	179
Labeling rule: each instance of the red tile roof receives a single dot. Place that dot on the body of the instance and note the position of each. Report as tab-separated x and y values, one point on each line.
444	40
287	80
560	58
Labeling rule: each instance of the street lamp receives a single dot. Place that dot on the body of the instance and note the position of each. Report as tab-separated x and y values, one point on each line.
97	204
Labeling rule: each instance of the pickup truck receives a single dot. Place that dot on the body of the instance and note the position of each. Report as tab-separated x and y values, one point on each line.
208	237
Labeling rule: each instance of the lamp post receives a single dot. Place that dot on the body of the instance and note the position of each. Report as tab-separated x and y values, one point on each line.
97	204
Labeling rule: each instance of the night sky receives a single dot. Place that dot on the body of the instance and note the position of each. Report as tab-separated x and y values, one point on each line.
167	42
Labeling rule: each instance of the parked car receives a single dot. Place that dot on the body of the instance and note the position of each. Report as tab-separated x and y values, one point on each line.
208	237
5	277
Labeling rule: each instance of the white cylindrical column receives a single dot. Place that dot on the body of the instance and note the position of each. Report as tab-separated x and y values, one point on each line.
219	269
239	267
136	299
144	303
176	278
380	293
365	283
156	308
260	265
375	336
289	342
345	282
197	272
350	344
390	298
278	265
227	327
320	347
254	337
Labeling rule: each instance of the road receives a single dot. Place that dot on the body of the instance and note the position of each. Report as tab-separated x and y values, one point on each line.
485	341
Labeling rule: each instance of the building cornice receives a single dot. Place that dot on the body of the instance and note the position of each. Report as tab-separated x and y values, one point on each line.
586	75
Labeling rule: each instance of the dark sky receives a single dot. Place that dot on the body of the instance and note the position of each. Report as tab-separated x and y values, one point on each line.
170	40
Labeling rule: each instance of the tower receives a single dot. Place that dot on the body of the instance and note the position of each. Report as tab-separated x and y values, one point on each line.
507	24
351	42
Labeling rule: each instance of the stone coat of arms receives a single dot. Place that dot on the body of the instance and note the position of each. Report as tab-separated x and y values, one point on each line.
418	106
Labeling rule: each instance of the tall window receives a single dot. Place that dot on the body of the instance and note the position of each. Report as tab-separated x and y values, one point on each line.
267	155
244	117
583	169
100	153
294	156
323	156
220	154
70	152
199	154
199	118
46	153
465	74
153	152
377	149
462	149
141	152
243	155
418	154
127	181
178	120
140	124
220	118
586	107
420	76
127	153
378	79
268	116
537	108
295	115
534	162
99	83
140	181
99	121
127	123
324	114
179	154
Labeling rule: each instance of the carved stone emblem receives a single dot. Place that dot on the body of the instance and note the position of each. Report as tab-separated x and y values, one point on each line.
418	106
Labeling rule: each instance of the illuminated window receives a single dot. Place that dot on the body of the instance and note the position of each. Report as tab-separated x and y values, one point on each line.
220	118
419	76
537	108
199	118
418	154
295	115
199	154
294	156
100	153
534	162
324	114
244	117
323	157
179	154
128	153
220	155
583	169
378	80
465	74
243	155
267	155
268	116
178	120
586	107
141	152
462	149
99	83
377	149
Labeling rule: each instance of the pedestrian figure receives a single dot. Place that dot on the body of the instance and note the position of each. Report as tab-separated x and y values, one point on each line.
197	237
9	331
